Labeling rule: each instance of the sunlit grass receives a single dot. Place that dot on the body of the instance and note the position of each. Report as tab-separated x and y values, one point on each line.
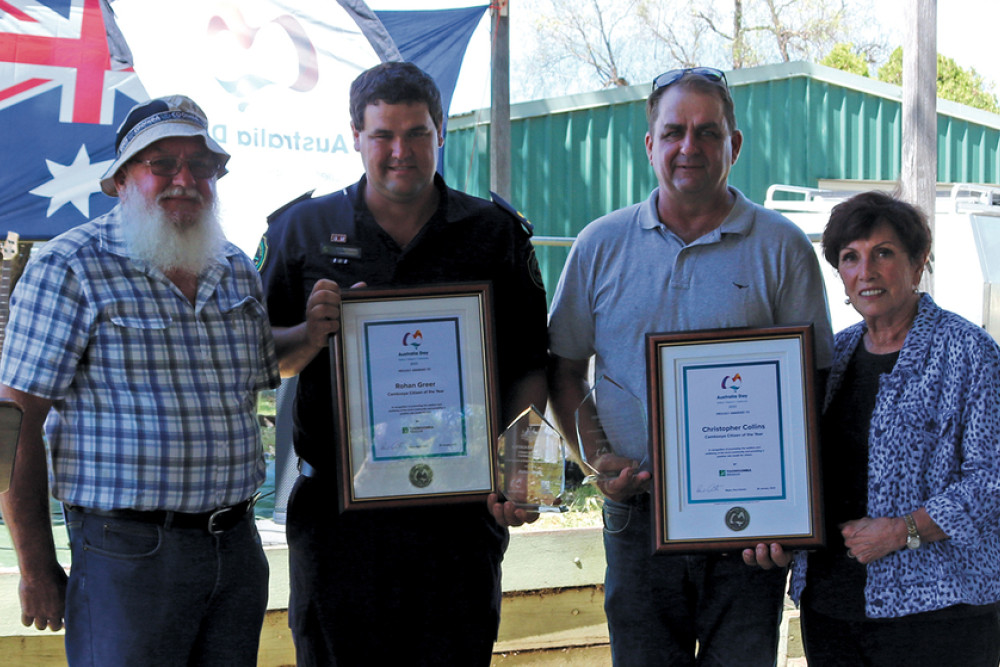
266	403
584	502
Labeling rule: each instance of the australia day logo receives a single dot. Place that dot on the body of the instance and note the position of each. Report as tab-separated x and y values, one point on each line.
732	382
242	35
413	339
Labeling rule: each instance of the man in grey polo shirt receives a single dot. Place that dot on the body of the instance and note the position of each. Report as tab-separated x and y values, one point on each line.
696	255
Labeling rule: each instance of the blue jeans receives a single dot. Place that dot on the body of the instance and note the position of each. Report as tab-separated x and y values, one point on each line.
659	607
140	594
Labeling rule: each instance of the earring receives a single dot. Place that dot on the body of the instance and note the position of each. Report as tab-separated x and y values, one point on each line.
916	290
847	301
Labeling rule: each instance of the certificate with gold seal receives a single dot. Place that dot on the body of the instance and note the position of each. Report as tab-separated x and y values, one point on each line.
734	435
414	400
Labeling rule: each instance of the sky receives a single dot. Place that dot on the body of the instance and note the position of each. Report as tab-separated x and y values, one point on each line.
966	32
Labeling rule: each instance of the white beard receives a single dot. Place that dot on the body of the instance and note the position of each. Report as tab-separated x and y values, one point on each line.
154	235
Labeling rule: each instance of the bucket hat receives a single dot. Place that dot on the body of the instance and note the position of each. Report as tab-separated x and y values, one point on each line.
149	122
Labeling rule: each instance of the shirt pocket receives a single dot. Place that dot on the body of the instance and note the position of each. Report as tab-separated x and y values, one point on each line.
131	334
917	417
247	306
128	318
244	326
246	316
129	347
918	447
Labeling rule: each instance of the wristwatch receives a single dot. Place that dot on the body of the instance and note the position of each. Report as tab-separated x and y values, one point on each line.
912	536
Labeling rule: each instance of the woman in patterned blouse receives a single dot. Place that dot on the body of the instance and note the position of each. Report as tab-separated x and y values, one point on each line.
911	463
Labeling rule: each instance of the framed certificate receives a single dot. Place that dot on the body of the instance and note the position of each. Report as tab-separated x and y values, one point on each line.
414	401
10	430
734	439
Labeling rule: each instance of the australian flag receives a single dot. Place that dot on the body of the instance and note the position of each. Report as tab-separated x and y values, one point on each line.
66	83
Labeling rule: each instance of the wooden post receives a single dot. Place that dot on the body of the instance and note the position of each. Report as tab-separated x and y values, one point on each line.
918	180
500	100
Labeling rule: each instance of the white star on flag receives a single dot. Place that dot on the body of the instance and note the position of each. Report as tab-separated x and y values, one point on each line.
73	183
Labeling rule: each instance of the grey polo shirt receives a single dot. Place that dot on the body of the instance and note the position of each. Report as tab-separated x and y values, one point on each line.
628	275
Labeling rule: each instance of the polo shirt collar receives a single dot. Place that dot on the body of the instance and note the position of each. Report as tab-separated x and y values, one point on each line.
738	221
740	218
649	218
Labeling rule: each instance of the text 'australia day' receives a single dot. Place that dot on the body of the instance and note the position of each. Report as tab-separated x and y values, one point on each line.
295	141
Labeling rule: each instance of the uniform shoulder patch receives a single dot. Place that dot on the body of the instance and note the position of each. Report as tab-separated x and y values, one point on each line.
277	212
260	257
506	206
534	271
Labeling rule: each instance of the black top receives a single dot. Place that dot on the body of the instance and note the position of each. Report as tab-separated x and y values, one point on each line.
835	583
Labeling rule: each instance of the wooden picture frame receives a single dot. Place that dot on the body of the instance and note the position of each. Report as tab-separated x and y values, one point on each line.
414	398
734	438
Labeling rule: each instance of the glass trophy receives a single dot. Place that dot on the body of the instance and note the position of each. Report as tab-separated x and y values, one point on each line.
532	462
611	427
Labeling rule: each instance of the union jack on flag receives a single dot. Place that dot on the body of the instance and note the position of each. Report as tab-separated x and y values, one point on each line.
66	83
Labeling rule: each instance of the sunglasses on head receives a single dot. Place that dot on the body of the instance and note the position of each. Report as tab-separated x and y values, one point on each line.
674	75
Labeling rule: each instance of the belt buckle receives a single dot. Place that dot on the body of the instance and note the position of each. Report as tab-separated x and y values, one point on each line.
225	510
213	516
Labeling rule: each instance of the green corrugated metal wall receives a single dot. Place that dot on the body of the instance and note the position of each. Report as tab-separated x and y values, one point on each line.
576	158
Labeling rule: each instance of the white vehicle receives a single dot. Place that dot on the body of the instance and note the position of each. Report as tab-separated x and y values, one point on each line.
964	274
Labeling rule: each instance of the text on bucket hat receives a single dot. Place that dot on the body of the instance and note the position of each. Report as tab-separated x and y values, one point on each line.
149	122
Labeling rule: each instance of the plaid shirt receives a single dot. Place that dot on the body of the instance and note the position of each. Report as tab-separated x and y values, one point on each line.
154	400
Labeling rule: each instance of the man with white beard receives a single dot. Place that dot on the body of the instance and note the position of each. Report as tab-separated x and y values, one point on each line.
139	339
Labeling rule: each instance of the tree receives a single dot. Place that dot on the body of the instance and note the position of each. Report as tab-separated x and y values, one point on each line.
791	29
572	46
676	29
954	82
844	57
590	41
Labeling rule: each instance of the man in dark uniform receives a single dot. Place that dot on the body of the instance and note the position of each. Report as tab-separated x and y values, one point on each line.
417	586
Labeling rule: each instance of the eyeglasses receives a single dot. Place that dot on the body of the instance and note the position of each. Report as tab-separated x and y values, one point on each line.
201	168
674	75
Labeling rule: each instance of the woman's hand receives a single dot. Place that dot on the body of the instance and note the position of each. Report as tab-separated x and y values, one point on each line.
869	539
